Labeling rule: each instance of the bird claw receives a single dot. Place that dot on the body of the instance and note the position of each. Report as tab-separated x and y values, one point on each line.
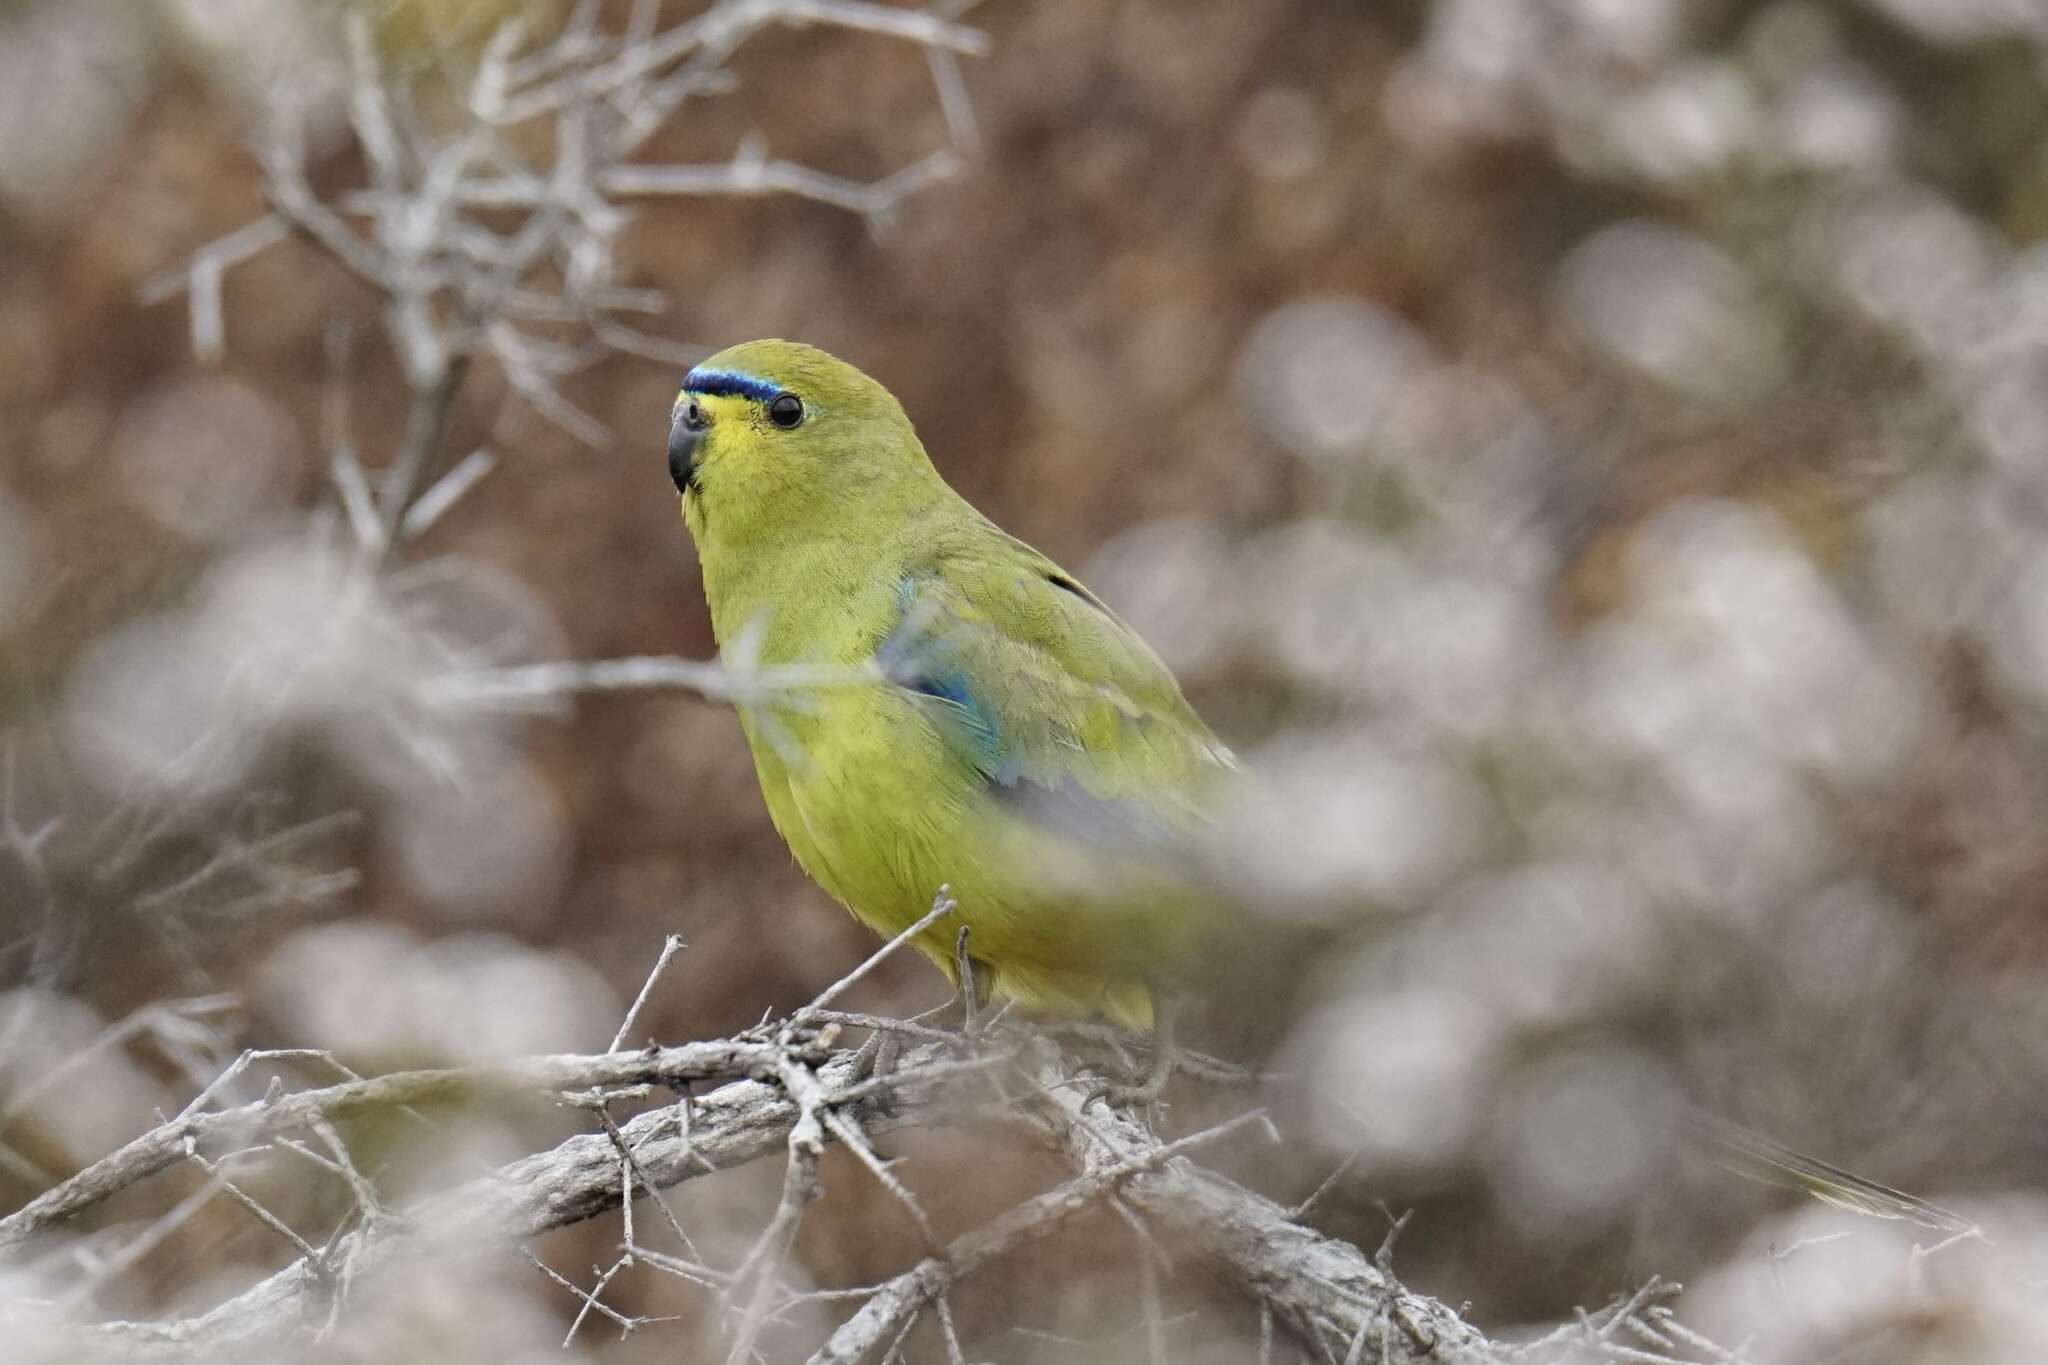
877	1056
1138	1097
1144	1095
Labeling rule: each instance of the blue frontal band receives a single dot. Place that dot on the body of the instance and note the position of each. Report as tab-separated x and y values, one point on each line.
719	383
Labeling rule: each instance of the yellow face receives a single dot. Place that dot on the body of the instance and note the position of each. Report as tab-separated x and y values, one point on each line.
773	435
725	417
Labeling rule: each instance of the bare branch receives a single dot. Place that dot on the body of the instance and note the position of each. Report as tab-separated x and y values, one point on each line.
751	172
800	1187
429	234
447	490
737	1123
1321	1289
717	32
910	1292
546	686
263	1215
249	240
670	946
425	420
943	904
169	1143
1324	1291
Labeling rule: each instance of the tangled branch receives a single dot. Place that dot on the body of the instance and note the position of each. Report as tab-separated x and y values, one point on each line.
787	1088
796	1097
477	250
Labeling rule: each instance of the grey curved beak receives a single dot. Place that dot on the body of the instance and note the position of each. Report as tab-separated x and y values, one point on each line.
683	441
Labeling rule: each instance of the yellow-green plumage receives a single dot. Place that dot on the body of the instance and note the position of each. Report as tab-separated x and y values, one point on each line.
1024	746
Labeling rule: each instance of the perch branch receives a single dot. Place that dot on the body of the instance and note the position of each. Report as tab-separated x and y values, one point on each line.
1325	1291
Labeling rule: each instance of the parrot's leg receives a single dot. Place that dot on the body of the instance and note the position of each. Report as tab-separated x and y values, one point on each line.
967	974
1165	1059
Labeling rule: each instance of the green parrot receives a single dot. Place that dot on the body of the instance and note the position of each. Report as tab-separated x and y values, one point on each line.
1017	743
1005	734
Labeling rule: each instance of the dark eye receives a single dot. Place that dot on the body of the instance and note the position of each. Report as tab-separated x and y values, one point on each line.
693	417
786	411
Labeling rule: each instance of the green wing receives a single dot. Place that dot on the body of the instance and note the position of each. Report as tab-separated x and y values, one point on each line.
1063	712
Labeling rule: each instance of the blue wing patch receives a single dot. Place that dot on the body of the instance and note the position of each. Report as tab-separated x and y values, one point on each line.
918	656
964	716
917	659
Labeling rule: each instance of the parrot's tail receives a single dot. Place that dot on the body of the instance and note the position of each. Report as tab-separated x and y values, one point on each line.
1749	1153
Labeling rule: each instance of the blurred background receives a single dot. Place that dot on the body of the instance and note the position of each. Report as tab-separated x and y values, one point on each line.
1590	458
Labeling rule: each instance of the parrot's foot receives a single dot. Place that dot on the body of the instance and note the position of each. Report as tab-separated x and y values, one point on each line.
1145	1094
877	1056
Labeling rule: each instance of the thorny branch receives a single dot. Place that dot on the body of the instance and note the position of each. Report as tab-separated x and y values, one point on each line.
472	245
429	233
787	1088
481	253
741	1121
1312	1283
171	1142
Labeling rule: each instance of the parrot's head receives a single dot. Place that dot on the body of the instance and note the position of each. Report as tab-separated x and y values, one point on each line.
779	436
